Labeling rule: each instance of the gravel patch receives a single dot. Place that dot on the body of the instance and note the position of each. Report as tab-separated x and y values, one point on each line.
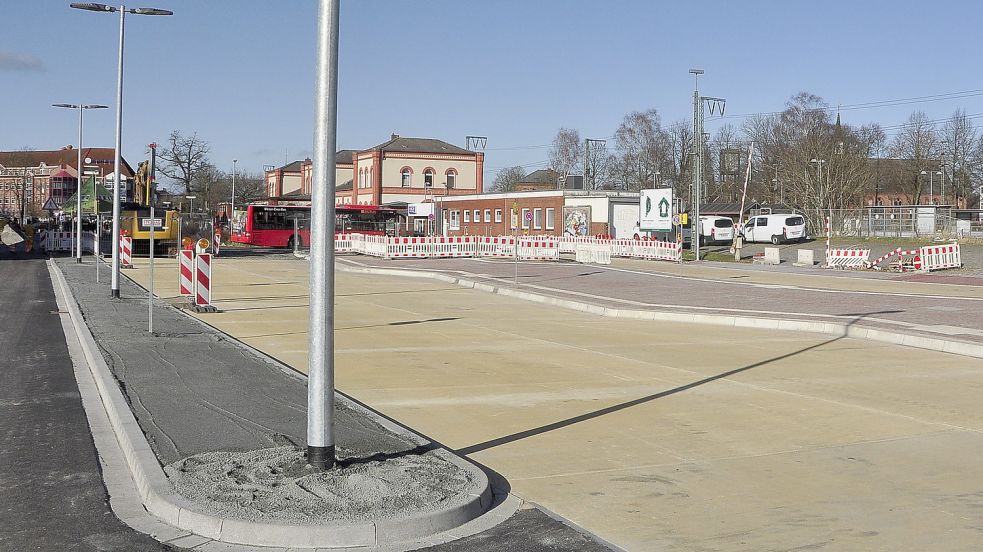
277	485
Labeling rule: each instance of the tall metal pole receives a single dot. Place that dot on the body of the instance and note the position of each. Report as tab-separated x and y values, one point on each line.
78	194
694	242
114	280
232	205
320	382
153	225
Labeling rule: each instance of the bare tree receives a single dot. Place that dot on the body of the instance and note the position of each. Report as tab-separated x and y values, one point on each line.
644	149
918	144
820	164
507	178
566	154
182	159
961	147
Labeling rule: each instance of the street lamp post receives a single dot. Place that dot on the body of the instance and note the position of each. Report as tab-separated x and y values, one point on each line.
714	103
114	286
320	382
78	190
232	205
191	209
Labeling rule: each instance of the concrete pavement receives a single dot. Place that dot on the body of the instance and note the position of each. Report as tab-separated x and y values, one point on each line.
655	436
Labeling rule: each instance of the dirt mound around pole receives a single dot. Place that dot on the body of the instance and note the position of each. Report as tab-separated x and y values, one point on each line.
276	485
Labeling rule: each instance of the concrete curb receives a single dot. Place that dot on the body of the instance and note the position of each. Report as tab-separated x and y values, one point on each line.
835	329
160	500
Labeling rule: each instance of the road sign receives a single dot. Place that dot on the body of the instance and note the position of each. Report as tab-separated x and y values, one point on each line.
655	209
49	205
675	220
528	215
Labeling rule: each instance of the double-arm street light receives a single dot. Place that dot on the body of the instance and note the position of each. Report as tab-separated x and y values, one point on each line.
78	190
123	10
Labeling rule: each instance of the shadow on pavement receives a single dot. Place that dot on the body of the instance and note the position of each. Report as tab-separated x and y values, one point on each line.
479	447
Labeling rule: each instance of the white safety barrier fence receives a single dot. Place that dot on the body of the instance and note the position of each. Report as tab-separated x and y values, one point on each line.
847	258
495	247
595	254
58	241
939	257
536	248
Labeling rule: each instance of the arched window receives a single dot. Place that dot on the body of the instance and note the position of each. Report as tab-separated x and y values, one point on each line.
451	178
428	177
407	176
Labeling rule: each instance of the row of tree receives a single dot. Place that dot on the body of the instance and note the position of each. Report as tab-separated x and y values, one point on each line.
803	155
184	161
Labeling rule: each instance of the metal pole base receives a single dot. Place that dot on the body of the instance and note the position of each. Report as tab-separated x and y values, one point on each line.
114	293
321	458
78	260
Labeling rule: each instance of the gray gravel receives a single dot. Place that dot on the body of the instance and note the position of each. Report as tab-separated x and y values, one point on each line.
277	485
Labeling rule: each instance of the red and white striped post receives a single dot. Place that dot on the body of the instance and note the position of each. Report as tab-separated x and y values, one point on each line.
203	283
126	252
186	273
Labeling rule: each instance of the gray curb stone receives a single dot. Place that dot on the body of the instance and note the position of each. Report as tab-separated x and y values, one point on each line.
858	331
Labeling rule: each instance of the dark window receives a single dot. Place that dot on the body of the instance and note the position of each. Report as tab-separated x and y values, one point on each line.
794	221
722	223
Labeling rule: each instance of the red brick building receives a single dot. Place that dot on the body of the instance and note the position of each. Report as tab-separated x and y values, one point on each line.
31	177
554	212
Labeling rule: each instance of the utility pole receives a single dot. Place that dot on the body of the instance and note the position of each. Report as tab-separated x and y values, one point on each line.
587	161
698	101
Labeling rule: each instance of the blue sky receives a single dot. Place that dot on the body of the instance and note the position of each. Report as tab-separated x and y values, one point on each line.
239	73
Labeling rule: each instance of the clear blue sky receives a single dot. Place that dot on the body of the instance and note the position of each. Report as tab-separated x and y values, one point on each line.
240	72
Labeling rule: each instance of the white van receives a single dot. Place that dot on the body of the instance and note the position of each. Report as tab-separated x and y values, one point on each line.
775	228
716	229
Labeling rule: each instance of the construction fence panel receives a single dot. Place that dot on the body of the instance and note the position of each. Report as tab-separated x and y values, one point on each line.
939	257
495	247
848	258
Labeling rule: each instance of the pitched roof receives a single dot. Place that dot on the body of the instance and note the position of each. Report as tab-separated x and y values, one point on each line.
65	156
292	167
420	145
344	157
542	176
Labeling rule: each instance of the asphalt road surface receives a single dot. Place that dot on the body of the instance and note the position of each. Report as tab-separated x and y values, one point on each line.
51	491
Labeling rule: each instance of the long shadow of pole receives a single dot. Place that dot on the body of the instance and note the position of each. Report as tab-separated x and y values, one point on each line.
642	400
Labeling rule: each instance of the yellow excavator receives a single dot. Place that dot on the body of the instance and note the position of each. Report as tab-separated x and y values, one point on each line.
135	218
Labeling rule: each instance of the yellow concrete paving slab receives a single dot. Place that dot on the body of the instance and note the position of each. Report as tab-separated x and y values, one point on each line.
655	436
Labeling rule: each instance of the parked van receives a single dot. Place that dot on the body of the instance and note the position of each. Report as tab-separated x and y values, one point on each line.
716	229
775	228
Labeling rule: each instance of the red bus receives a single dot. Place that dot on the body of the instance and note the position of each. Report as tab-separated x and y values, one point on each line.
273	225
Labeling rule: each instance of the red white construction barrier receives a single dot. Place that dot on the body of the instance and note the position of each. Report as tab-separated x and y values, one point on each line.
459	246
57	241
126	252
884	257
343	243
203	280
494	247
538	250
186	272
939	257
847	258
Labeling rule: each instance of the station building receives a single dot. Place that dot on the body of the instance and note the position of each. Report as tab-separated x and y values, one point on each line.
397	172
551	212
